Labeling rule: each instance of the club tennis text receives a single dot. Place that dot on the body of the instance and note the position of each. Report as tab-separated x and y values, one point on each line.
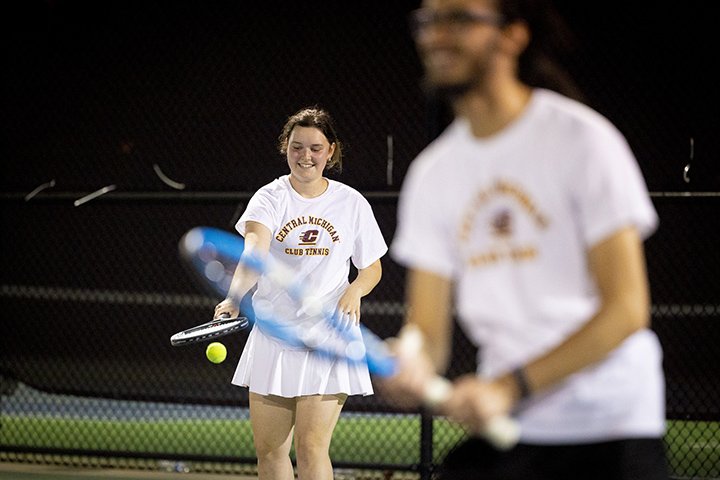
299	252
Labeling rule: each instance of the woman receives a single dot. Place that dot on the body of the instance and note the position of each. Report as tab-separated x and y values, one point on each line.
316	226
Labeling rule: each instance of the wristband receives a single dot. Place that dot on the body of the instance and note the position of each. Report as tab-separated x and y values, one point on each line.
521	380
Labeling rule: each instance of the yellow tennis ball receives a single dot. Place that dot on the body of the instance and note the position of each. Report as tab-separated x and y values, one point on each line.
216	352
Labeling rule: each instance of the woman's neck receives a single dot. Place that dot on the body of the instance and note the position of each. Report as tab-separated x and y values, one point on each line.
311	189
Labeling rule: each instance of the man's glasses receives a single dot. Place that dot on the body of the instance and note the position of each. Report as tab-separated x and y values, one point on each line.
454	20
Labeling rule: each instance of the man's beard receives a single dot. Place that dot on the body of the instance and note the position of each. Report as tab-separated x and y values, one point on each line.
450	90
447	92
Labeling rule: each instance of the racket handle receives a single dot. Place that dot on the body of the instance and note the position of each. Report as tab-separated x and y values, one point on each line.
502	431
437	391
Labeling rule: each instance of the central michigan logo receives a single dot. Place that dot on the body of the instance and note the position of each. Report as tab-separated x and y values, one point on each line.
309	237
502	224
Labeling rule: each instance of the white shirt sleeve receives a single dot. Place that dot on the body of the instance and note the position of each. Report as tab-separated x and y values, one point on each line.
369	242
610	191
262	208
421	238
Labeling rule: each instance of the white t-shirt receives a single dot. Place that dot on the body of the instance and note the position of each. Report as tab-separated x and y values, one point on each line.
317	238
510	219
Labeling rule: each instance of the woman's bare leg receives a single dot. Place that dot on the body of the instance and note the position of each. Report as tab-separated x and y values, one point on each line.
272	419
316	418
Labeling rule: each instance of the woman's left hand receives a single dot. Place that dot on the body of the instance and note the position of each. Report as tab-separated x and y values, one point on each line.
347	312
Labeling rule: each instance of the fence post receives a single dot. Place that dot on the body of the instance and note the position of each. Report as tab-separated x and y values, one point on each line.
426	466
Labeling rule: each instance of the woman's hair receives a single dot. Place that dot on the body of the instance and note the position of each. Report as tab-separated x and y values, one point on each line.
317	118
550	38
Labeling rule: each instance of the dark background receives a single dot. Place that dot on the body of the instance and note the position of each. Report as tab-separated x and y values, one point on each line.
95	93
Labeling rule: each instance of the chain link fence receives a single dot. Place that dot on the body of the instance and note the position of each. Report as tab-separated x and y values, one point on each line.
173	108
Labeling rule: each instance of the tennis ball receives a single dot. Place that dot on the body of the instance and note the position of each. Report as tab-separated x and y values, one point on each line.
216	352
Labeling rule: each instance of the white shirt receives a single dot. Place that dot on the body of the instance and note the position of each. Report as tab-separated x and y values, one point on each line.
510	219
316	237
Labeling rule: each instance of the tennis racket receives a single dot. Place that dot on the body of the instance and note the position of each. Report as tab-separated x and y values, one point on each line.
204	262
214	254
210	330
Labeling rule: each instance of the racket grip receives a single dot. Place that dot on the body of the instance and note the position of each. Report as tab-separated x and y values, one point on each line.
437	391
502	432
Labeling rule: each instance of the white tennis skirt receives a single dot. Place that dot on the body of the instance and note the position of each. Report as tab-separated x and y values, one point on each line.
269	367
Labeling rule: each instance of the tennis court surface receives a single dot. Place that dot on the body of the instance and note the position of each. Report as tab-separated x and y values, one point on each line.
20	471
26	471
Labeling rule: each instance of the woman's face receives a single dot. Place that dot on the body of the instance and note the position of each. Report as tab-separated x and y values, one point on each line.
308	152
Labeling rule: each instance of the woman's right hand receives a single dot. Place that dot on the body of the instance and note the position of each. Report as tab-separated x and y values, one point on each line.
227	308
